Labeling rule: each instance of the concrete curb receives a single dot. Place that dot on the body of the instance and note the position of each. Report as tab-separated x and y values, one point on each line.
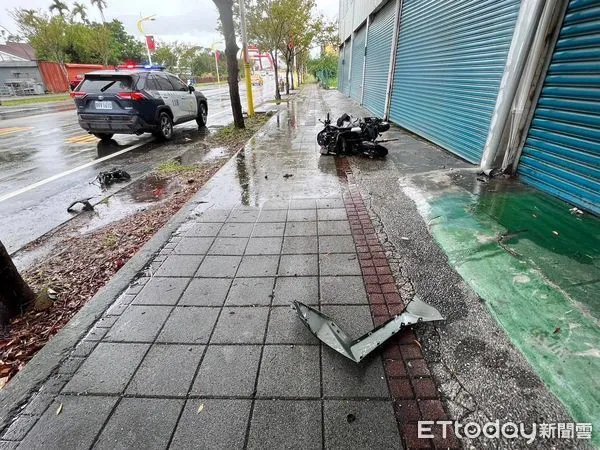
49	358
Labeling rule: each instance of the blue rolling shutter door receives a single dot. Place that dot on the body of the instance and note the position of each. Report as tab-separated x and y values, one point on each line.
346	68
379	43
562	152
449	64
358	59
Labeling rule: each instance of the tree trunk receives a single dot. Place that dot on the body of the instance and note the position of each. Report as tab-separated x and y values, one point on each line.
15	293
275	66
287	79
298	74
225	8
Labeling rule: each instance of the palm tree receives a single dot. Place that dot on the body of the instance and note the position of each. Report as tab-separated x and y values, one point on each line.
59	6
80	10
101	5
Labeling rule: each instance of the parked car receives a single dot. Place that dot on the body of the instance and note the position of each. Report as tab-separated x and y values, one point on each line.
136	100
256	80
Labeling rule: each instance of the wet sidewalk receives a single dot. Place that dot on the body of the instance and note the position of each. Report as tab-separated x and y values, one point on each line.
204	351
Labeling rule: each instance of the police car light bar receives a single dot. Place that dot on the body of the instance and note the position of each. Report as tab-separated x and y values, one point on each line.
141	66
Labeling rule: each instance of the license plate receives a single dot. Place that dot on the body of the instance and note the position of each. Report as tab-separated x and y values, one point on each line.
103	105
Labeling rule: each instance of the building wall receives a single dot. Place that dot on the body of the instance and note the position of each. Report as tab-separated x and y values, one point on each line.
19	69
353	13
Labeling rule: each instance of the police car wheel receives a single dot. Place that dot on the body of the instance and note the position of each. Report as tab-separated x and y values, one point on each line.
165	127
104	136
202	115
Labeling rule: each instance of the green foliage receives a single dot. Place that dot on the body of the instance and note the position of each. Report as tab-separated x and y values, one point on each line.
55	38
324	68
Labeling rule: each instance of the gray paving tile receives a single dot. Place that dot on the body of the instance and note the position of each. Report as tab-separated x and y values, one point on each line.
334	228
8	445
161	291
276	204
204	229
76	426
345	378
343	290
179	266
336	244
302	289
236	230
218	267
166	370
140	423
212	215
193	246
250	291
139	324
332	214
244	215
264	246
241	325
228	246
301	229
298	265
275	215
268	230
189	325
94	375
374	425
285	328
19	428
206	292
258	266
302	215
334	202
355	320
339	264
299	245
228	370
289	371
301	421
302	203
221	424
96	334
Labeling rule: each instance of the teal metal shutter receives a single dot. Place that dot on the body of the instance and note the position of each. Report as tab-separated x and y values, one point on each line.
358	59
449	64
561	155
346	68
379	43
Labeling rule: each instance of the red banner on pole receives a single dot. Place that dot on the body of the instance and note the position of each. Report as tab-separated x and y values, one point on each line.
150	43
218	55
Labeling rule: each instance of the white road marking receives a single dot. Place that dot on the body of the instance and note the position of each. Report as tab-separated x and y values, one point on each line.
70	171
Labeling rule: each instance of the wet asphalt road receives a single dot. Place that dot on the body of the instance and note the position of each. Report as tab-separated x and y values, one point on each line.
47	162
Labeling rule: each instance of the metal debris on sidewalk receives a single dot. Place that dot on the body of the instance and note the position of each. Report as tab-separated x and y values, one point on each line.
328	332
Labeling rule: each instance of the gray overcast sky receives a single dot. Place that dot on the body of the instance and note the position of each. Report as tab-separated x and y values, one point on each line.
190	21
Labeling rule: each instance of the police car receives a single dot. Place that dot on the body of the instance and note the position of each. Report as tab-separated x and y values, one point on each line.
136	100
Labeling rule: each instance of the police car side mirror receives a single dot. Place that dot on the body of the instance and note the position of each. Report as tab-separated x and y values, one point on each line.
191	89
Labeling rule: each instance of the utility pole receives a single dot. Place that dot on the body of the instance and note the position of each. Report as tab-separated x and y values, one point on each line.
141	28
246	60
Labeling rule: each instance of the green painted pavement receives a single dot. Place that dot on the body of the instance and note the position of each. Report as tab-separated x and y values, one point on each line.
537	267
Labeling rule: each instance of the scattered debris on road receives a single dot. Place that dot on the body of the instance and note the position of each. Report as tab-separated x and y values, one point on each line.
112	176
87	206
288	175
328	332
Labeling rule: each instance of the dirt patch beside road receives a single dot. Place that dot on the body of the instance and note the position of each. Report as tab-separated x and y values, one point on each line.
85	263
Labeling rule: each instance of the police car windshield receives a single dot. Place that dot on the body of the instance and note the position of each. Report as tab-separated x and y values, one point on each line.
108	85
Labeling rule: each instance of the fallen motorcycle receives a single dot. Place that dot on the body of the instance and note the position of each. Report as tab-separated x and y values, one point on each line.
353	136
